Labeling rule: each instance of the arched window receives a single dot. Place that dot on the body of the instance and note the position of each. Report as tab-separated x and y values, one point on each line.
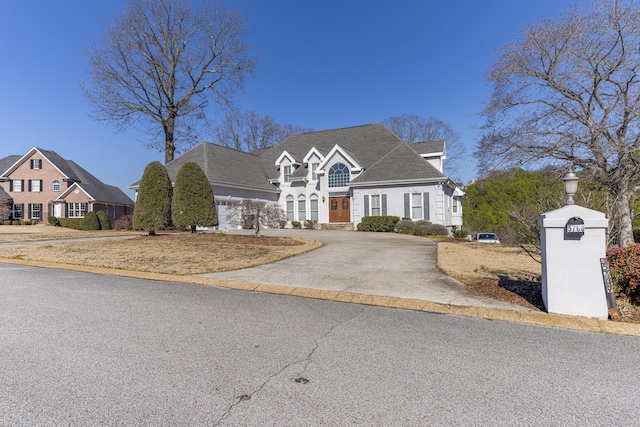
56	185
302	209
339	175
289	208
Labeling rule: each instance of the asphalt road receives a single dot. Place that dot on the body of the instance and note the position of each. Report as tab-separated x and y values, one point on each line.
83	349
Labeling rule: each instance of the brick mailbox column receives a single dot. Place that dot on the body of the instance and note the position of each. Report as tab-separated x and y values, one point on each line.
572	240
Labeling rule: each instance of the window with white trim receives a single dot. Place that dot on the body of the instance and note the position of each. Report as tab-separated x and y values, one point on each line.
290	208
416	206
313	205
17	211
455	205
56	185
339	175
17	185
36	211
375	205
77	210
36	163
286	173
35	185
302	209
314	168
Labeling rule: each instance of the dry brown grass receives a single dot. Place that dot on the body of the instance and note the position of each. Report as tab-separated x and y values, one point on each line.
176	253
30	233
503	273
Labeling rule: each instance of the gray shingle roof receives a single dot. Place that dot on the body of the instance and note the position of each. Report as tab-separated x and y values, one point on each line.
402	163
225	166
100	191
4	195
429	147
7	162
367	143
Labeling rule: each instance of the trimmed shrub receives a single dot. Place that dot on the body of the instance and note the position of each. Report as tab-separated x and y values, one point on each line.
105	224
123	223
405	226
421	230
379	223
624	266
296	224
310	224
75	223
153	205
437	230
423	222
15	222
52	220
193	203
282	223
91	221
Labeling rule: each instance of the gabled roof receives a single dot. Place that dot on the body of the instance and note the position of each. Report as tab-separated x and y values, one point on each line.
225	166
53	157
401	165
369	143
96	189
430	148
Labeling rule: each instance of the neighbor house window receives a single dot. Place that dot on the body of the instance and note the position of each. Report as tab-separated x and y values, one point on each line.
314	168
16	185
36	164
286	172
77	210
302	209
416	205
56	185
18	210
289	208
375	205
339	175
35	185
313	204
36	211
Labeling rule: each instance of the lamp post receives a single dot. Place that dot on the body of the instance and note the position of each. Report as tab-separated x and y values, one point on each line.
570	185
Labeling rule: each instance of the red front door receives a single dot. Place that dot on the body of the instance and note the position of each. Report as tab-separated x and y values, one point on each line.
339	209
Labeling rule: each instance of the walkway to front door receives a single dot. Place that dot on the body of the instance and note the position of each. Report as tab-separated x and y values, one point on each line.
339	209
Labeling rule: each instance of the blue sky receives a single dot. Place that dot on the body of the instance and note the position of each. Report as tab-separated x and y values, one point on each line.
325	65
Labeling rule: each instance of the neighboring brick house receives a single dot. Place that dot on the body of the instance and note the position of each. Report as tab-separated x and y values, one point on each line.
40	184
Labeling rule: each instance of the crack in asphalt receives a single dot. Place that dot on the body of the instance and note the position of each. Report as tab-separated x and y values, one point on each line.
299	378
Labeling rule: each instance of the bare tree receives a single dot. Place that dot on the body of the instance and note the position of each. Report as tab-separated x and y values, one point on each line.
568	92
5	209
255	214
161	64
413	128
249	131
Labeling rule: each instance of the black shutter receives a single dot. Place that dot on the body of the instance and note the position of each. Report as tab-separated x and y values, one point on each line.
29	185
22	185
31	165
366	205
40	185
407	205
27	215
66	210
384	205
11	185
425	205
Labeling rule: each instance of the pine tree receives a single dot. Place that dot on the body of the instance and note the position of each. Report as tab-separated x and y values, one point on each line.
193	201
153	204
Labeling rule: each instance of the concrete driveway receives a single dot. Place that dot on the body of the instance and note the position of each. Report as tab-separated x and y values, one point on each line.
385	264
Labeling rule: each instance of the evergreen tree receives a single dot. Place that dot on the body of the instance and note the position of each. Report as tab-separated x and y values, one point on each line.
193	201
153	204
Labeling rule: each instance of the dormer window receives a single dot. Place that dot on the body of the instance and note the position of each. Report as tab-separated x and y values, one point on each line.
286	172
314	168
36	163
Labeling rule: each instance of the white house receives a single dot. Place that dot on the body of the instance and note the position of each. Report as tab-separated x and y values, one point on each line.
334	177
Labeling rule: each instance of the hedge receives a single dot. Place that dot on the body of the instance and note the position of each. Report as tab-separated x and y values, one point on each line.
378	223
624	266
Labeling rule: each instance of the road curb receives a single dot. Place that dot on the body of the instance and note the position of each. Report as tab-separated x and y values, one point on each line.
531	318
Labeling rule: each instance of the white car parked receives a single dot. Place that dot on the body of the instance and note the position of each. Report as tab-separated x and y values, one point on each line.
487	238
